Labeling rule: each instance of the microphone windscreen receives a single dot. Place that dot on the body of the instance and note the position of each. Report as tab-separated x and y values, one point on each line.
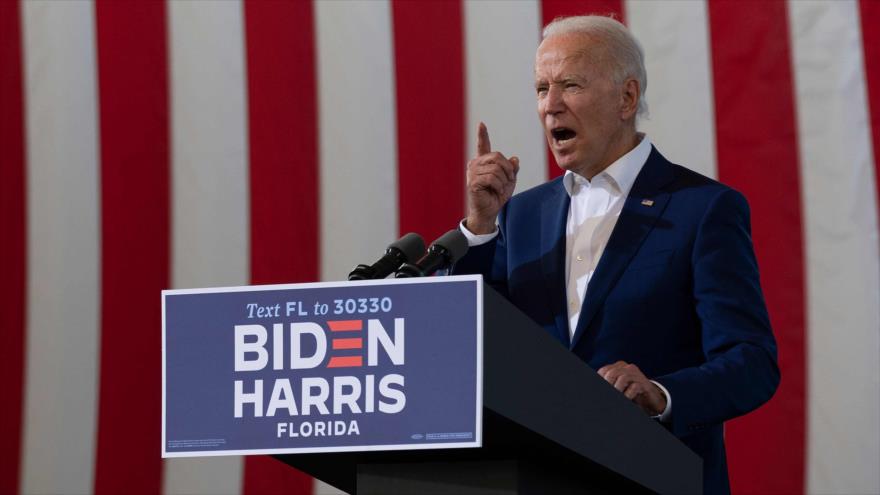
455	243
411	245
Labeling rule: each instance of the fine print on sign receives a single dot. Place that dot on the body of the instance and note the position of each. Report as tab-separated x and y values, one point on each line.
324	367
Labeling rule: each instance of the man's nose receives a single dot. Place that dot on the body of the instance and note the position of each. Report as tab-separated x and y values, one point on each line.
553	102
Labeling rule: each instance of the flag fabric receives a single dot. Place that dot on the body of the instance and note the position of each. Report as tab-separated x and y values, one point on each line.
148	145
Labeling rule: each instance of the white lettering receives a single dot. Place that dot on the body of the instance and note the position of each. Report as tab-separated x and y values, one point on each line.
391	393
309	400
339	428
295	307
298	330
282	398
318	428
277	346
376	334
370	393
340	398
242	348
255	398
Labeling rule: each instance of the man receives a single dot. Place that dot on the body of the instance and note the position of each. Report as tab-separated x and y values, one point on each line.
642	268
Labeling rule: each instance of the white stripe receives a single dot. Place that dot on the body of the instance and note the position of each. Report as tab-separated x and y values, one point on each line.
843	277
210	232
358	146
681	122
500	40
63	247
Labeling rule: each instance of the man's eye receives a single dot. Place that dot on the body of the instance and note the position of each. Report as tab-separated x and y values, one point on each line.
572	86
541	90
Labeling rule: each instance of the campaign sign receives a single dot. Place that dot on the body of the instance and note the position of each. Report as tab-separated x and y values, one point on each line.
323	367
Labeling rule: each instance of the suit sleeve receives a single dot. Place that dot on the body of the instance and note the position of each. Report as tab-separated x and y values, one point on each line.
740	372
488	260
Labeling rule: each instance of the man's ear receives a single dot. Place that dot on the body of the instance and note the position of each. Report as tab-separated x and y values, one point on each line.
629	98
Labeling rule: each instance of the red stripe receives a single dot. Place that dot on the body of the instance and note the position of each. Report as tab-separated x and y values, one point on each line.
757	154
345	362
283	123
429	61
870	14
13	246
348	343
345	325
133	100
551	9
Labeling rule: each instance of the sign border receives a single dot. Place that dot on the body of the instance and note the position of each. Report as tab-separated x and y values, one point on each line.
478	433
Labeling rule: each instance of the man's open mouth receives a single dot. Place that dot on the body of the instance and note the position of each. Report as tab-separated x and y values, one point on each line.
561	134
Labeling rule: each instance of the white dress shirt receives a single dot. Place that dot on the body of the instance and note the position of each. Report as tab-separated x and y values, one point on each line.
595	206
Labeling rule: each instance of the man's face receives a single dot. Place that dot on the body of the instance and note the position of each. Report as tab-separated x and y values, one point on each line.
578	103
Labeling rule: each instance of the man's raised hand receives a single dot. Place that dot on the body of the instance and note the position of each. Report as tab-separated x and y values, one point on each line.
491	179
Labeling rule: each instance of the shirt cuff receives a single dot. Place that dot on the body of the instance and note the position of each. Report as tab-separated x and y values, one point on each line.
476	239
664	416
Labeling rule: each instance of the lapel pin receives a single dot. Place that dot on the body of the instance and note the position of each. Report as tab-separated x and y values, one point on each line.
648	202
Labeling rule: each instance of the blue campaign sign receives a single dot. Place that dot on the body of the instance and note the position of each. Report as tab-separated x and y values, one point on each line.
322	367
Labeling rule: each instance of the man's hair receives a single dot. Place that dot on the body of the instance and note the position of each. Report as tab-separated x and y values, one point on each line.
623	53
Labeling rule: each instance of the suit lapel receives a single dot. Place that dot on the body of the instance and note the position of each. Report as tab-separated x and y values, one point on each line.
554	214
636	220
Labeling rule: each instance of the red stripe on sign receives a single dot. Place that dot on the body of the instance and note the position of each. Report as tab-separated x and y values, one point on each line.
551	9
348	343
345	362
345	325
870	14
430	114
757	154
133	101
283	133
13	247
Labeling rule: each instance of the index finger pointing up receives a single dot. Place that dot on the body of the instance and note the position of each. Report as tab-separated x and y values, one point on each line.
483	144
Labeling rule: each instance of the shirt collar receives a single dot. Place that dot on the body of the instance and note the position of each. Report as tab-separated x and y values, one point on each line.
622	172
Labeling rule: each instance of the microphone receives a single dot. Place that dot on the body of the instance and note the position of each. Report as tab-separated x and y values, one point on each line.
445	251
403	250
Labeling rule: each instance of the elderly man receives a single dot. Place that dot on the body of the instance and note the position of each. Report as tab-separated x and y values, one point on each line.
643	268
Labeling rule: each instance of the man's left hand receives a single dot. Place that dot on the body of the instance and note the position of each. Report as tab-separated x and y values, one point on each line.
630	380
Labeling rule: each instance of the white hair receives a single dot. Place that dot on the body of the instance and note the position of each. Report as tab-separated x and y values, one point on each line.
625	56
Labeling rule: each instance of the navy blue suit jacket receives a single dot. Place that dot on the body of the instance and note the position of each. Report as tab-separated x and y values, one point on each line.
676	292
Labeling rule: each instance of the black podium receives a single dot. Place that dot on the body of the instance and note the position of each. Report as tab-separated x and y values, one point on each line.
551	426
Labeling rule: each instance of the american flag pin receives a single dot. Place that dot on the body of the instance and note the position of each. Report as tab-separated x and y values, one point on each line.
648	202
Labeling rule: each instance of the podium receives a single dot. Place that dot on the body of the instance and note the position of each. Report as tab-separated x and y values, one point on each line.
416	386
551	425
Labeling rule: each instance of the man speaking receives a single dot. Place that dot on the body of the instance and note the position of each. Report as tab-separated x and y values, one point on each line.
643	268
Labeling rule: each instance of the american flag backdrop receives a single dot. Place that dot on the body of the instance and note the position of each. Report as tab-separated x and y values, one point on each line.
147	145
